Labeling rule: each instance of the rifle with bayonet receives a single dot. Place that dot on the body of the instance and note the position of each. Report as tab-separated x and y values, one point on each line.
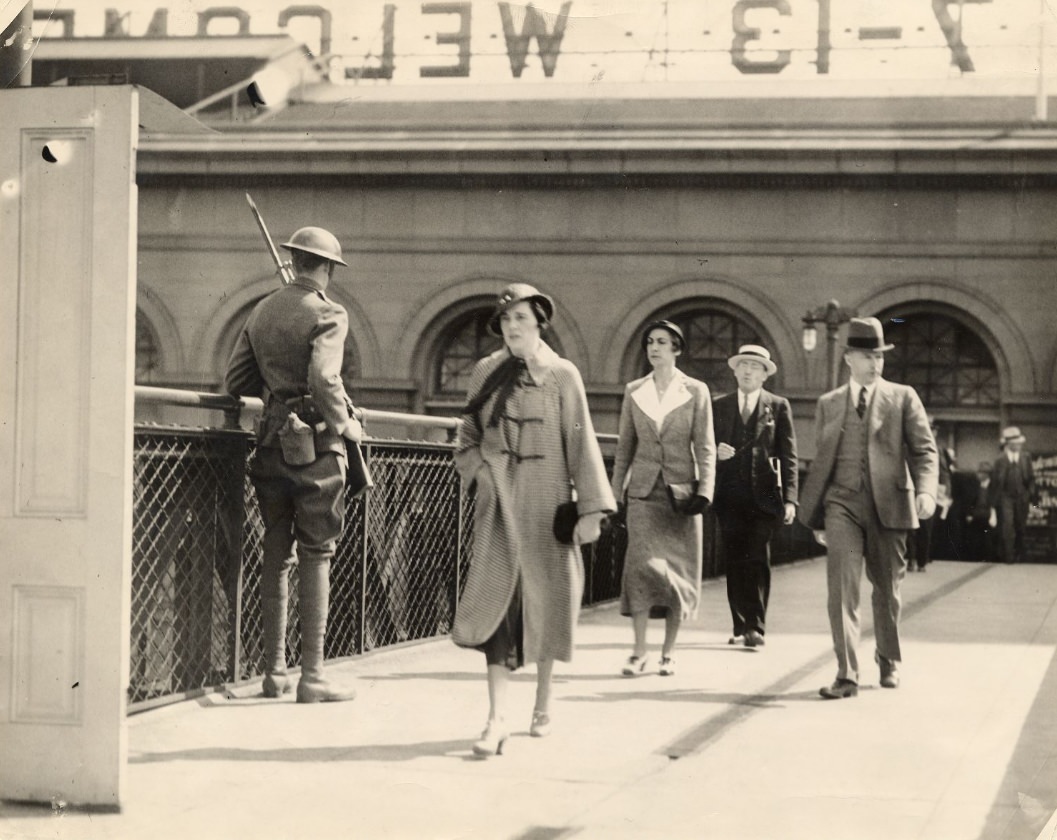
359	478
283	268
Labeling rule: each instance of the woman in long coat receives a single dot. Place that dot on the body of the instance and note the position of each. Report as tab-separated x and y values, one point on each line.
528	443
665	437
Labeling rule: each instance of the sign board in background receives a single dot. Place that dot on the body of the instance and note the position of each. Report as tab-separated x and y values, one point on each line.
1041	535
605	41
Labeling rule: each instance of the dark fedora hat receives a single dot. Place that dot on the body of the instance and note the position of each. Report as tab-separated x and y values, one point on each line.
866	334
513	295
671	327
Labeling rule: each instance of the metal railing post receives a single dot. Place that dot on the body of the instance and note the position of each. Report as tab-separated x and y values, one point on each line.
364	558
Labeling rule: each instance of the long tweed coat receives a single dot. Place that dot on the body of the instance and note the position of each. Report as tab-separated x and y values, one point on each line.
524	467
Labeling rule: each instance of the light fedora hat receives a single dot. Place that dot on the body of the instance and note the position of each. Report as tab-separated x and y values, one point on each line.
866	334
1011	434
753	353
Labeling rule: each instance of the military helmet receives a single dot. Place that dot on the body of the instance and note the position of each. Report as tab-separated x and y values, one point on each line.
316	240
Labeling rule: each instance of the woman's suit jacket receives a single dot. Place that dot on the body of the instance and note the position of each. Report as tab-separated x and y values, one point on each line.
901	458
680	449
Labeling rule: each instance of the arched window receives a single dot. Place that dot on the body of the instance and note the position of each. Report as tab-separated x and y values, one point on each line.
148	357
466	340
945	361
714	331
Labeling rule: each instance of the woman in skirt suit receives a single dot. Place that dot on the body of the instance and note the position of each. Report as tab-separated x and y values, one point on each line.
665	438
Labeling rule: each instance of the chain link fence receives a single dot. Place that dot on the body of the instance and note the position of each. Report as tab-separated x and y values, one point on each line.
197	537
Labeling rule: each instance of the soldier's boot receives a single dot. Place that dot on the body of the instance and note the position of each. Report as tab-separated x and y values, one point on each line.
276	683
314	598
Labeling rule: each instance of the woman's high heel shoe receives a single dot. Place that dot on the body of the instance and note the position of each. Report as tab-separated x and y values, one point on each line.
635	666
541	725
492	740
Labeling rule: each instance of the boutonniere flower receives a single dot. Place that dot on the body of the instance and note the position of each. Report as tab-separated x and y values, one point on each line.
768	416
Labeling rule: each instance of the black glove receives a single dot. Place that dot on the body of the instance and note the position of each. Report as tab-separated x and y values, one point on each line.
698	504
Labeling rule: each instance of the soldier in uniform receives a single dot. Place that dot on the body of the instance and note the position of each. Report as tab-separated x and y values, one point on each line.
290	354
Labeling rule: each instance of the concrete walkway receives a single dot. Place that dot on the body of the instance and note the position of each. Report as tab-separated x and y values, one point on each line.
736	745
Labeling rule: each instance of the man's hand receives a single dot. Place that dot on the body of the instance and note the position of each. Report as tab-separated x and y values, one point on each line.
724	452
820	537
926	505
588	528
992	519
790	514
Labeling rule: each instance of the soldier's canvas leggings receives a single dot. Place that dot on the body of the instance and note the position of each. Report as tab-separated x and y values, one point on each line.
302	506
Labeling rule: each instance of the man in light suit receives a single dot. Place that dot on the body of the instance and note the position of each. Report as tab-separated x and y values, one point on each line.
1011	492
756	486
874	477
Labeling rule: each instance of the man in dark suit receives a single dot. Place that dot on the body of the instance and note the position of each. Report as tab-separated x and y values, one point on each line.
1011	493
980	520
756	486
874	478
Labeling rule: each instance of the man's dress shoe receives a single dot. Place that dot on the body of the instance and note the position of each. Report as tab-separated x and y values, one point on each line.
839	690
889	672
754	638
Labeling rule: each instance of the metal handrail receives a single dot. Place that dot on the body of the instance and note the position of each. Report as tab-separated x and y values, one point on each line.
234	407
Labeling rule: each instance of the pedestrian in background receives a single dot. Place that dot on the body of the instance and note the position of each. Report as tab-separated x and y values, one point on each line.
527	442
665	467
873	479
756	486
920	554
981	522
1011	492
290	353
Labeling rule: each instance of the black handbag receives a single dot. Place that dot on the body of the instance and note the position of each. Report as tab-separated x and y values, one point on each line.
681	495
565	518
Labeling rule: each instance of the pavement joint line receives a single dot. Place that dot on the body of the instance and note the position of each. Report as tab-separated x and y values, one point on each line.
710	730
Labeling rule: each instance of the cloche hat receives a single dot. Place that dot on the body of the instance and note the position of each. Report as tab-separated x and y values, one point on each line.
513	295
674	329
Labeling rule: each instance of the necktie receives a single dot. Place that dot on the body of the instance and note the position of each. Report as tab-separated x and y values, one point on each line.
746	412
860	409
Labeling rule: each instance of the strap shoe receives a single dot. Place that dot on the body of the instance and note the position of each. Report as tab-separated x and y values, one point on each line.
634	667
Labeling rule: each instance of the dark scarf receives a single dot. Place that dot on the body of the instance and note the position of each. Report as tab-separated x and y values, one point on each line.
502	381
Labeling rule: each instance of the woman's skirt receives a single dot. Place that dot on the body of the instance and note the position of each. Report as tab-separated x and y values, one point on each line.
662	566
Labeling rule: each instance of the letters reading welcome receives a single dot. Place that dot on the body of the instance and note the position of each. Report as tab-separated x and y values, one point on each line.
524	23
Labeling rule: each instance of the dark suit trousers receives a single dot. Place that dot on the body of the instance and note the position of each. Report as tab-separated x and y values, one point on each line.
1012	522
746	534
856	539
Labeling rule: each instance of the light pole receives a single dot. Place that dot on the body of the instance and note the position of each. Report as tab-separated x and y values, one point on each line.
832	315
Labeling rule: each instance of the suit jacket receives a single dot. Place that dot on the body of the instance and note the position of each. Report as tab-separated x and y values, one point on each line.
772	437
682	449
997	488
902	459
